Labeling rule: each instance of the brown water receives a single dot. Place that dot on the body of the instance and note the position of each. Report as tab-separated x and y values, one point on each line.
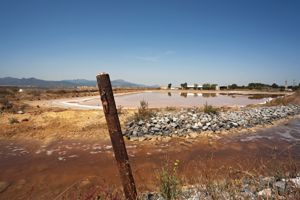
177	99
44	172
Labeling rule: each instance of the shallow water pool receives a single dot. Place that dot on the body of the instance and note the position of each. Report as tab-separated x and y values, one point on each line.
177	99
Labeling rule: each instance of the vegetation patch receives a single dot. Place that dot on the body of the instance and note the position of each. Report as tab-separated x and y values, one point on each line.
169	182
143	112
209	109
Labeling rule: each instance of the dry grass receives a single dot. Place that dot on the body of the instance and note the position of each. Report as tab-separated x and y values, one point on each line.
54	124
209	109
143	112
290	99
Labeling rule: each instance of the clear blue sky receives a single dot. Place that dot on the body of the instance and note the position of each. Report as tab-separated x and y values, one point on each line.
152	41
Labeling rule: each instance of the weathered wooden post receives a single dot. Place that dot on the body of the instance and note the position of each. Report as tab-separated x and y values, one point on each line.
115	132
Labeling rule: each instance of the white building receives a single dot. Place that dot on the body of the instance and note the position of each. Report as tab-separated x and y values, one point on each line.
199	87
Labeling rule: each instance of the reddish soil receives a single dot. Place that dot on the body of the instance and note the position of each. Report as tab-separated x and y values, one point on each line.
44	172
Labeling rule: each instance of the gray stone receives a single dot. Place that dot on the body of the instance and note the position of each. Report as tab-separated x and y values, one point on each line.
195	127
149	125
155	129
157	126
134	133
174	125
199	124
280	185
234	124
145	130
188	120
141	122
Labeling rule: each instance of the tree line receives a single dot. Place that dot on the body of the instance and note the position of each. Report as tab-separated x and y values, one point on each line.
250	86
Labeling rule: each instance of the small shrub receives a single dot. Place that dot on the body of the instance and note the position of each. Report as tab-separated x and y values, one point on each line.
6	104
277	101
169	182
13	120
143	112
209	109
120	110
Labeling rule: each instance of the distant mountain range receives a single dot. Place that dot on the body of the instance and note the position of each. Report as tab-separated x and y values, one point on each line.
33	82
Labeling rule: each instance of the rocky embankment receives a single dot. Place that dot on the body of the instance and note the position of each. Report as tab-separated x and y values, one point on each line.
188	121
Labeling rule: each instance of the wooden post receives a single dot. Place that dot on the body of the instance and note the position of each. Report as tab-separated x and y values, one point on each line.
115	132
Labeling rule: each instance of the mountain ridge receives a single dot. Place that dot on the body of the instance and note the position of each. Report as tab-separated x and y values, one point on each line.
34	82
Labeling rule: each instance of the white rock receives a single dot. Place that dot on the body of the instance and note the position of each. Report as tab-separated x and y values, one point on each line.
296	181
61	158
265	193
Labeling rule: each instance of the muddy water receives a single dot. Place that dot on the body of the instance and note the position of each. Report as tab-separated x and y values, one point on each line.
176	99
44	172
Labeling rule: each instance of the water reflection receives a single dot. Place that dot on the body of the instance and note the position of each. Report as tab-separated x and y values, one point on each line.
232	95
206	95
183	94
182	99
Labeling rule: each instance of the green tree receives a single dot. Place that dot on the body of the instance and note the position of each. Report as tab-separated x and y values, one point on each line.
257	86
195	86
233	86
213	86
169	85
206	86
183	85
274	85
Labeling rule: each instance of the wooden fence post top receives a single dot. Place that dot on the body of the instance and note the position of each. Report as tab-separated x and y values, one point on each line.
102	73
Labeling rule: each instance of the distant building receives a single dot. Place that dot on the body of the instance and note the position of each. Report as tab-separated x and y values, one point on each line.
199	87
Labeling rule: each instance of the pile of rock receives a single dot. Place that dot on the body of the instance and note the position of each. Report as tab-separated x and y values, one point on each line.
191	120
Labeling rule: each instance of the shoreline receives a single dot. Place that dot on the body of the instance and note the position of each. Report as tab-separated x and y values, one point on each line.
74	102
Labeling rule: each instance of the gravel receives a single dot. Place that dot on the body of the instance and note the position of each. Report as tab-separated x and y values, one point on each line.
191	120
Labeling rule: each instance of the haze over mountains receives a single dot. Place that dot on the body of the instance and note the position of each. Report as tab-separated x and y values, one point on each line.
33	82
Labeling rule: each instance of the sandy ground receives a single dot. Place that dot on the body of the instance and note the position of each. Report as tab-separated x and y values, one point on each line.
55	124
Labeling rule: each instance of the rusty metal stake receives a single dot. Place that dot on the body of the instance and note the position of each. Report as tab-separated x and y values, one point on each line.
115	132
